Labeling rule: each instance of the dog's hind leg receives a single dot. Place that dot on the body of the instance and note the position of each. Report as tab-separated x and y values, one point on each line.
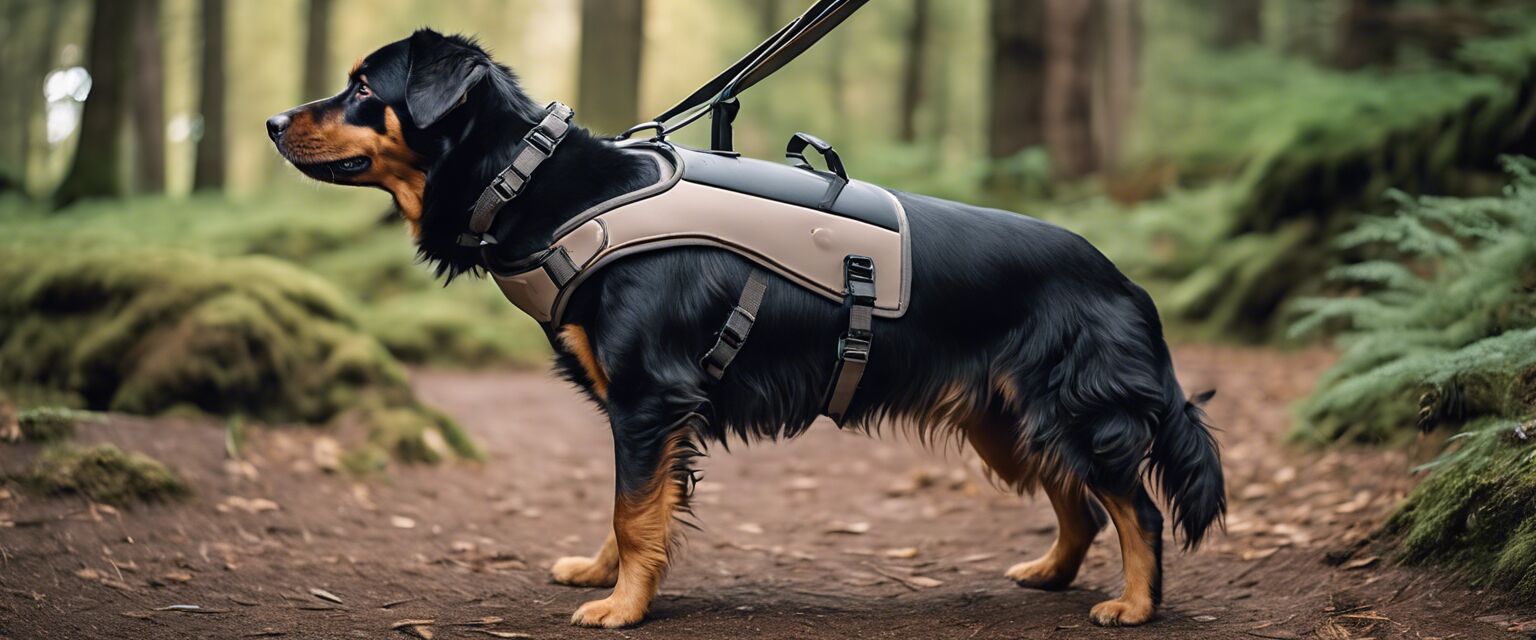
1078	521
994	436
601	570
1140	527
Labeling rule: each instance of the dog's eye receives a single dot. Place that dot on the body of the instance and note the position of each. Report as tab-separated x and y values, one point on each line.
363	92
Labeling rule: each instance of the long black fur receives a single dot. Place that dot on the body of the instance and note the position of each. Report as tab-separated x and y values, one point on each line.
998	298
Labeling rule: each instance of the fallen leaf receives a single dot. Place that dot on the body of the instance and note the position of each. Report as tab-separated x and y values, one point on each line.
177	576
1204	618
750	527
976	557
402	522
804	483
248	505
902	553
500	634
88	574
482	622
1361	563
852	528
411	622
1259	554
327	454
923	581
324	595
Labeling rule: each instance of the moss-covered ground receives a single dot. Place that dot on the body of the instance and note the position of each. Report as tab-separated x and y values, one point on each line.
102	473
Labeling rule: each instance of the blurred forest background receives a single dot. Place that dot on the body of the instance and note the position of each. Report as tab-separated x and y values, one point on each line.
1274	171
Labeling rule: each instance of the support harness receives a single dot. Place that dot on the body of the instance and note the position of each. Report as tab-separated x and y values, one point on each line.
818	229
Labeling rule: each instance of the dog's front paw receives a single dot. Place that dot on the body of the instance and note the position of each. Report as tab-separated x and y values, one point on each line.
1043	573
579	571
610	613
1121	613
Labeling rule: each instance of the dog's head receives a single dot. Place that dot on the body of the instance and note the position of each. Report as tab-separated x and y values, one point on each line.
391	122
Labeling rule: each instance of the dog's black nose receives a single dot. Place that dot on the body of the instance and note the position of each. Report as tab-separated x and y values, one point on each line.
277	124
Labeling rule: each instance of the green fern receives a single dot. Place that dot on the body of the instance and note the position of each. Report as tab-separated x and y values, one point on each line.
1442	331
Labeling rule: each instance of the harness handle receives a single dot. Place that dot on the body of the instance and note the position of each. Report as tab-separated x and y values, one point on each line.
795	152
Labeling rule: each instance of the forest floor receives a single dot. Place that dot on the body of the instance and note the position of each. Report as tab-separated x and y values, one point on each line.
277	547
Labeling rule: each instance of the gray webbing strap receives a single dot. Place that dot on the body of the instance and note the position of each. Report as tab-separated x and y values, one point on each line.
733	334
537	146
853	347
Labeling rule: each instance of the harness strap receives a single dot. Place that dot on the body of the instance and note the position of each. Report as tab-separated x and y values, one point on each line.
537	146
733	334
853	347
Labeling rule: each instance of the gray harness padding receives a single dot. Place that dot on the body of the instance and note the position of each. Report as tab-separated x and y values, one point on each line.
785	219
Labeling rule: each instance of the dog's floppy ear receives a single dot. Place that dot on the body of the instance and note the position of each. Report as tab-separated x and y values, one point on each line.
441	74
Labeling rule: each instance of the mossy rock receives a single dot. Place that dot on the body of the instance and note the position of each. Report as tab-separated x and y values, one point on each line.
150	333
103	473
1478	509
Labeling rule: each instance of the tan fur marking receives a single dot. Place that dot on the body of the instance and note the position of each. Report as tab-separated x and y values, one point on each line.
996	440
574	338
355	66
395	167
1075	531
643	530
600	570
1134	606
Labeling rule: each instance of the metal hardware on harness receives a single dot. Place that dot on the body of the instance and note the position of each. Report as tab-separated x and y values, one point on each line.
853	348
537	146
738	325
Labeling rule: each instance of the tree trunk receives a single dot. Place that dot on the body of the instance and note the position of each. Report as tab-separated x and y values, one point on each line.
1015	113
149	98
1121	80
97	166
914	67
320	80
1070	40
13	105
612	37
1239	23
209	167
1366	36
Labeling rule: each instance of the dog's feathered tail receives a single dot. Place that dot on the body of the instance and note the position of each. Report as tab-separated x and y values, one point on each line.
1187	467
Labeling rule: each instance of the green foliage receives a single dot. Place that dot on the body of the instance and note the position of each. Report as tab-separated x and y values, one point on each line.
103	473
1447	314
150	333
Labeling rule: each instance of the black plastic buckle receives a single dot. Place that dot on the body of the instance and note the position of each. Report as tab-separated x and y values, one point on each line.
859	278
504	189
541	141
854	348
476	240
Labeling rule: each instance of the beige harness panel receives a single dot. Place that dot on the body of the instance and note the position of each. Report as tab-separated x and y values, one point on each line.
802	244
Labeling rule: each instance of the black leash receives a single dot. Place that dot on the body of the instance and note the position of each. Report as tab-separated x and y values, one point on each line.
718	97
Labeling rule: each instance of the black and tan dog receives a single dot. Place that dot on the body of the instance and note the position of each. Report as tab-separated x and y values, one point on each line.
1021	337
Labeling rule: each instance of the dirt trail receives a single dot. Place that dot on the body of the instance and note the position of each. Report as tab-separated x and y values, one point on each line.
457	543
